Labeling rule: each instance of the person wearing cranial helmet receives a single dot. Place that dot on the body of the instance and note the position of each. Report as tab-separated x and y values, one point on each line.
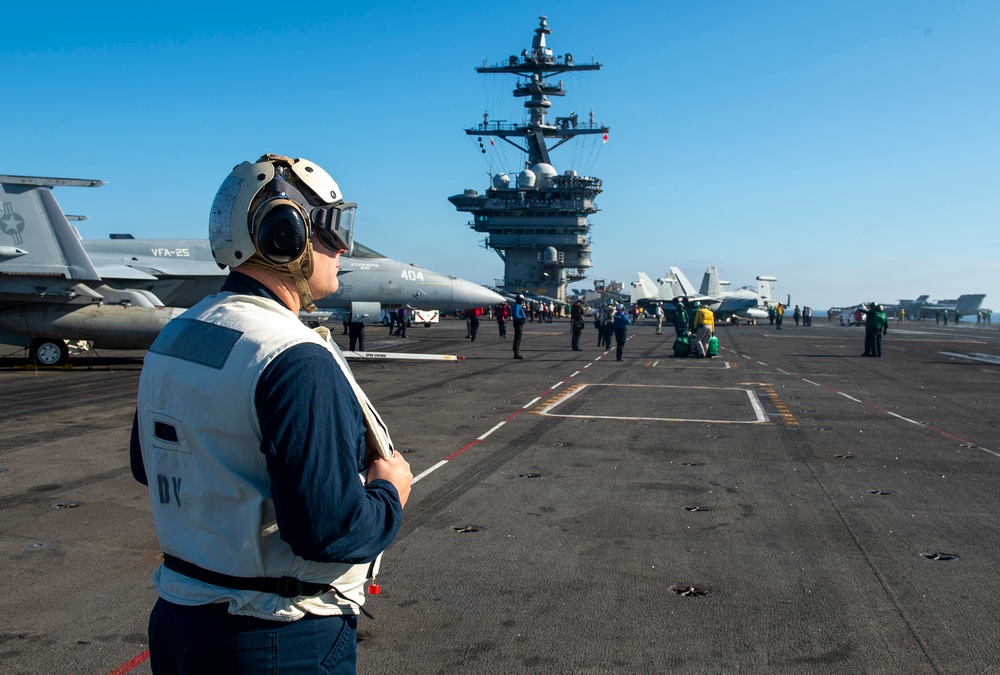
253	430
267	214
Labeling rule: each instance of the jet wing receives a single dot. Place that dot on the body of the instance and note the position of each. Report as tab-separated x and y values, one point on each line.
177	267
123	272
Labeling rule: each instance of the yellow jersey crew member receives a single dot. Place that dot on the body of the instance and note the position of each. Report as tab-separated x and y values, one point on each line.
704	328
273	482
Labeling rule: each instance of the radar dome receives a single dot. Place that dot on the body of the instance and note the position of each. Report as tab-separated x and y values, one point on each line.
526	179
545	173
550	256
501	181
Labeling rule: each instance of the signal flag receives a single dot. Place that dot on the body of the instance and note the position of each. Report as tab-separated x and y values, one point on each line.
604	139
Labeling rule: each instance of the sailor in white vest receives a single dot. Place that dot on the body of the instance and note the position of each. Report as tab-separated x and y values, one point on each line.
273	483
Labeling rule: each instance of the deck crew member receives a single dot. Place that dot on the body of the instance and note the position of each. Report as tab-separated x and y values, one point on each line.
704	327
518	317
576	321
876	325
251	431
680	318
621	322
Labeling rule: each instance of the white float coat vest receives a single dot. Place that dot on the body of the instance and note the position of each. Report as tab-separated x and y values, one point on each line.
205	391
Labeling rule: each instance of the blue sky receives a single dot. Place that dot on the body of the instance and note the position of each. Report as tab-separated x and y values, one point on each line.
850	149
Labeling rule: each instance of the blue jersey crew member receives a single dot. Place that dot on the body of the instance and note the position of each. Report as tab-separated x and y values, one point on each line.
273	483
518	317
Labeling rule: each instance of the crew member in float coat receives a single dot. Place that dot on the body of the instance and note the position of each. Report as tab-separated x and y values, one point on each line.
273	482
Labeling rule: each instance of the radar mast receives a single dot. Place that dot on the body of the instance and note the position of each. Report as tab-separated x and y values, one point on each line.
536	220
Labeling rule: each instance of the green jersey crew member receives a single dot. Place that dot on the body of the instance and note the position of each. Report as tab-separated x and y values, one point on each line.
273	483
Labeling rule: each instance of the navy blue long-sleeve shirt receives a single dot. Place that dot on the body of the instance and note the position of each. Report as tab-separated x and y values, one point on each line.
313	439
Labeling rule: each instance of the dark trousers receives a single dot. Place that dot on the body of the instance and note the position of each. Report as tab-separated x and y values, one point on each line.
518	329
208	639
502	326
577	331
356	335
607	330
620	341
873	343
473	326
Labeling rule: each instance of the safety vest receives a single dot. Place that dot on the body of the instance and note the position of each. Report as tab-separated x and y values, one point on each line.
704	317
209	486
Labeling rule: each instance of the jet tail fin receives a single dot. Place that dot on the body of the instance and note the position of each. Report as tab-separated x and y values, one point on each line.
969	304
765	290
643	289
710	284
687	288
36	236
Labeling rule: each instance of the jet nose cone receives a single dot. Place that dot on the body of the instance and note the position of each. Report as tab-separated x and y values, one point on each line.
467	295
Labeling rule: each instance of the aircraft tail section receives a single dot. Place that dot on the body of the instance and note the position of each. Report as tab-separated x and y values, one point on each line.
710	282
765	290
687	288
643	289
37	243
968	305
669	288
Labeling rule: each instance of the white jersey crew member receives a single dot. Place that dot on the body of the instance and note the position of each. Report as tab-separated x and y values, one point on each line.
255	440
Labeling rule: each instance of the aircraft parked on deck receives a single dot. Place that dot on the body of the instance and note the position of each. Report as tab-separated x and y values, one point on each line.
119	293
745	303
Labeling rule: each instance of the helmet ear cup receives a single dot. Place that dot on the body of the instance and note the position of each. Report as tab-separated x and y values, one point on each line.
282	232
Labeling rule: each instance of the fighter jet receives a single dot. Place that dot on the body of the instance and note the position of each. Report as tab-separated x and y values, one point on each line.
921	308
119	293
180	272
49	289
745	302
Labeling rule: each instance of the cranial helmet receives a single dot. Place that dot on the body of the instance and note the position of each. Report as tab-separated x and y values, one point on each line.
265	213
696	304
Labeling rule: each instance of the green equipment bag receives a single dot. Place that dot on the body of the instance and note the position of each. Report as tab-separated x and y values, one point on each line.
682	346
713	346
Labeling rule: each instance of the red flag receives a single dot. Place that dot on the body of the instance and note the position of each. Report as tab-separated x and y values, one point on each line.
604	139
492	142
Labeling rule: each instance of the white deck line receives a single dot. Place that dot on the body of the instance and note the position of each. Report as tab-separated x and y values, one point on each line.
429	471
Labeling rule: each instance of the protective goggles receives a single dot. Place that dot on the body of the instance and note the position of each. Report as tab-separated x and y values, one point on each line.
334	225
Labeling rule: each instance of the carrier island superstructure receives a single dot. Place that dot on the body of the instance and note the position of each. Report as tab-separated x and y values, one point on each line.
536	220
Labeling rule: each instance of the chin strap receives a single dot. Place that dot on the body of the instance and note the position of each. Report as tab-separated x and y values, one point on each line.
296	273
301	285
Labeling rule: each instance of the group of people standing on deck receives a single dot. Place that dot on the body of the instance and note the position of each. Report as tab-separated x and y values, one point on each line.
695	322
611	319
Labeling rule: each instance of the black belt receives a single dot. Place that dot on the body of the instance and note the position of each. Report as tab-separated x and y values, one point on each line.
285	587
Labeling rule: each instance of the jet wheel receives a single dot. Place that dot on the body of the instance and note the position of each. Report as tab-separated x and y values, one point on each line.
48	352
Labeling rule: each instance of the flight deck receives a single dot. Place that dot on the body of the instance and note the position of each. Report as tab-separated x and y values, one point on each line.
788	507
